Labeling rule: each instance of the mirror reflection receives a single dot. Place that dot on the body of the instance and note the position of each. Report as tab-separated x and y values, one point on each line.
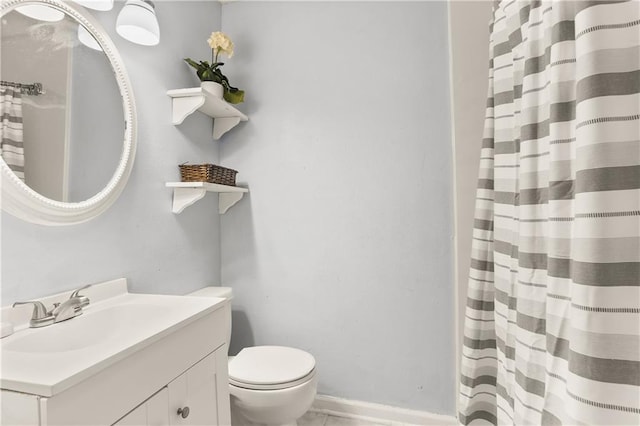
63	122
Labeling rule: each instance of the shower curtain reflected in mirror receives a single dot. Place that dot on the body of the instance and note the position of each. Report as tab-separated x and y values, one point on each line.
11	136
552	327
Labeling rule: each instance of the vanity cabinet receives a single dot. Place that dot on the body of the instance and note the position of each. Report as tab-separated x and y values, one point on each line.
196	397
197	391
153	412
177	377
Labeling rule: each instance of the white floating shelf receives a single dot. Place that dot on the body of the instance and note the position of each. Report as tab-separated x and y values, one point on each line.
188	101
187	193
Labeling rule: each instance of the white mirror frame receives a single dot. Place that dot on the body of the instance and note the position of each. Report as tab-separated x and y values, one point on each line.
23	202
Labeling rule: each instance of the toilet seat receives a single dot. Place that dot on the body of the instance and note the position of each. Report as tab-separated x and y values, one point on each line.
275	386
271	368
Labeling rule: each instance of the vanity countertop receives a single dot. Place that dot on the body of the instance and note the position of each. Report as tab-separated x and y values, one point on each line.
46	361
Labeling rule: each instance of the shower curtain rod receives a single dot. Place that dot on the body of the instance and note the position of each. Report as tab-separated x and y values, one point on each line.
33	89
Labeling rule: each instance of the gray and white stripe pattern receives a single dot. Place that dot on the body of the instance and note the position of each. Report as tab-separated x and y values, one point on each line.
552	331
11	134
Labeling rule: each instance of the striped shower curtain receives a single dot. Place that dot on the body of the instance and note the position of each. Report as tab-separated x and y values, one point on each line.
11	143
552	328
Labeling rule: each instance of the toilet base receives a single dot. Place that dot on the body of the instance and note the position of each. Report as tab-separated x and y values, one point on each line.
281	407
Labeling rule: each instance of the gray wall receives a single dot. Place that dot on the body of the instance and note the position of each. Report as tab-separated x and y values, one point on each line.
138	237
344	245
469	29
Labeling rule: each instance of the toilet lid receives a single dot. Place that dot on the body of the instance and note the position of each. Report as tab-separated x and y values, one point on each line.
270	365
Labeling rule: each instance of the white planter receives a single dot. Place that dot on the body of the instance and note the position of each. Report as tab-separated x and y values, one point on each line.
213	88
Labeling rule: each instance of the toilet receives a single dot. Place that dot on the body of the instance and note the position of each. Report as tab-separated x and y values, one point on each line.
268	385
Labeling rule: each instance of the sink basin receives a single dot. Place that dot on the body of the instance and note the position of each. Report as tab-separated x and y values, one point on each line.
48	360
91	328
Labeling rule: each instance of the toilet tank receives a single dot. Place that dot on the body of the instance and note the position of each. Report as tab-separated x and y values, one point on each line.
223	292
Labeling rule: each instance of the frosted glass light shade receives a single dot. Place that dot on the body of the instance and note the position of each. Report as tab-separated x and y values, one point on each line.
41	13
87	39
96	4
137	23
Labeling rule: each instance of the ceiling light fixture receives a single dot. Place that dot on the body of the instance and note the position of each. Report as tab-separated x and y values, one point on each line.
41	13
137	23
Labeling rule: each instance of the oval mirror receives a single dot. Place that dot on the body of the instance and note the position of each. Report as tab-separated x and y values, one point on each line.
68	130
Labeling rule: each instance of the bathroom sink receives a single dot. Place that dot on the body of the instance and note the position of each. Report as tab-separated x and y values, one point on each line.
92	328
52	341
45	361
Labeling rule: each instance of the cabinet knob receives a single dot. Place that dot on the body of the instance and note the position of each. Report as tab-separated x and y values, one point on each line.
183	412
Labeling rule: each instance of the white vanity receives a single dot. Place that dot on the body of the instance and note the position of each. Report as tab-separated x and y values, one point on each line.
123	359
129	359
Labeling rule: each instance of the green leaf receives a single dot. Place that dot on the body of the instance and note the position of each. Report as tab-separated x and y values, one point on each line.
234	96
192	63
208	72
208	75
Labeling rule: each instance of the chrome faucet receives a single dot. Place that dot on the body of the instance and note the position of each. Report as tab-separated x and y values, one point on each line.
68	309
84	300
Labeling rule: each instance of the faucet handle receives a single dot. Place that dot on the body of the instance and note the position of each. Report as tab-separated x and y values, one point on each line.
76	293
40	316
84	300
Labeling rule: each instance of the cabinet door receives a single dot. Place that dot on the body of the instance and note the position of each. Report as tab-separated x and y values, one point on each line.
153	412
193	396
158	409
19	409
137	417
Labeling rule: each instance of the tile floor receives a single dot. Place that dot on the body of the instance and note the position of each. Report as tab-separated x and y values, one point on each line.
312	418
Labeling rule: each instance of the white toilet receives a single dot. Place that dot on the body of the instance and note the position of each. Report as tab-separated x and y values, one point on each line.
269	385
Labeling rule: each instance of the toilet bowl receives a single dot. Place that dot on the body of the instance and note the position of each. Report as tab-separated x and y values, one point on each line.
272	385
268	385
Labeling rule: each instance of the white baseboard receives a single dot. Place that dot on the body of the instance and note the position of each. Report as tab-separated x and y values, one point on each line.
378	413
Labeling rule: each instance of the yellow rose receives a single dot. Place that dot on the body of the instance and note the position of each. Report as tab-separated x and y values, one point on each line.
220	42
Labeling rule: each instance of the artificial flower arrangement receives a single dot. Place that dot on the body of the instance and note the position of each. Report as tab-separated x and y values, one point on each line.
219	43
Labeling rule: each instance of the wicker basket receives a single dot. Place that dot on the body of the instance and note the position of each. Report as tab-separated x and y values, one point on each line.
207	173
